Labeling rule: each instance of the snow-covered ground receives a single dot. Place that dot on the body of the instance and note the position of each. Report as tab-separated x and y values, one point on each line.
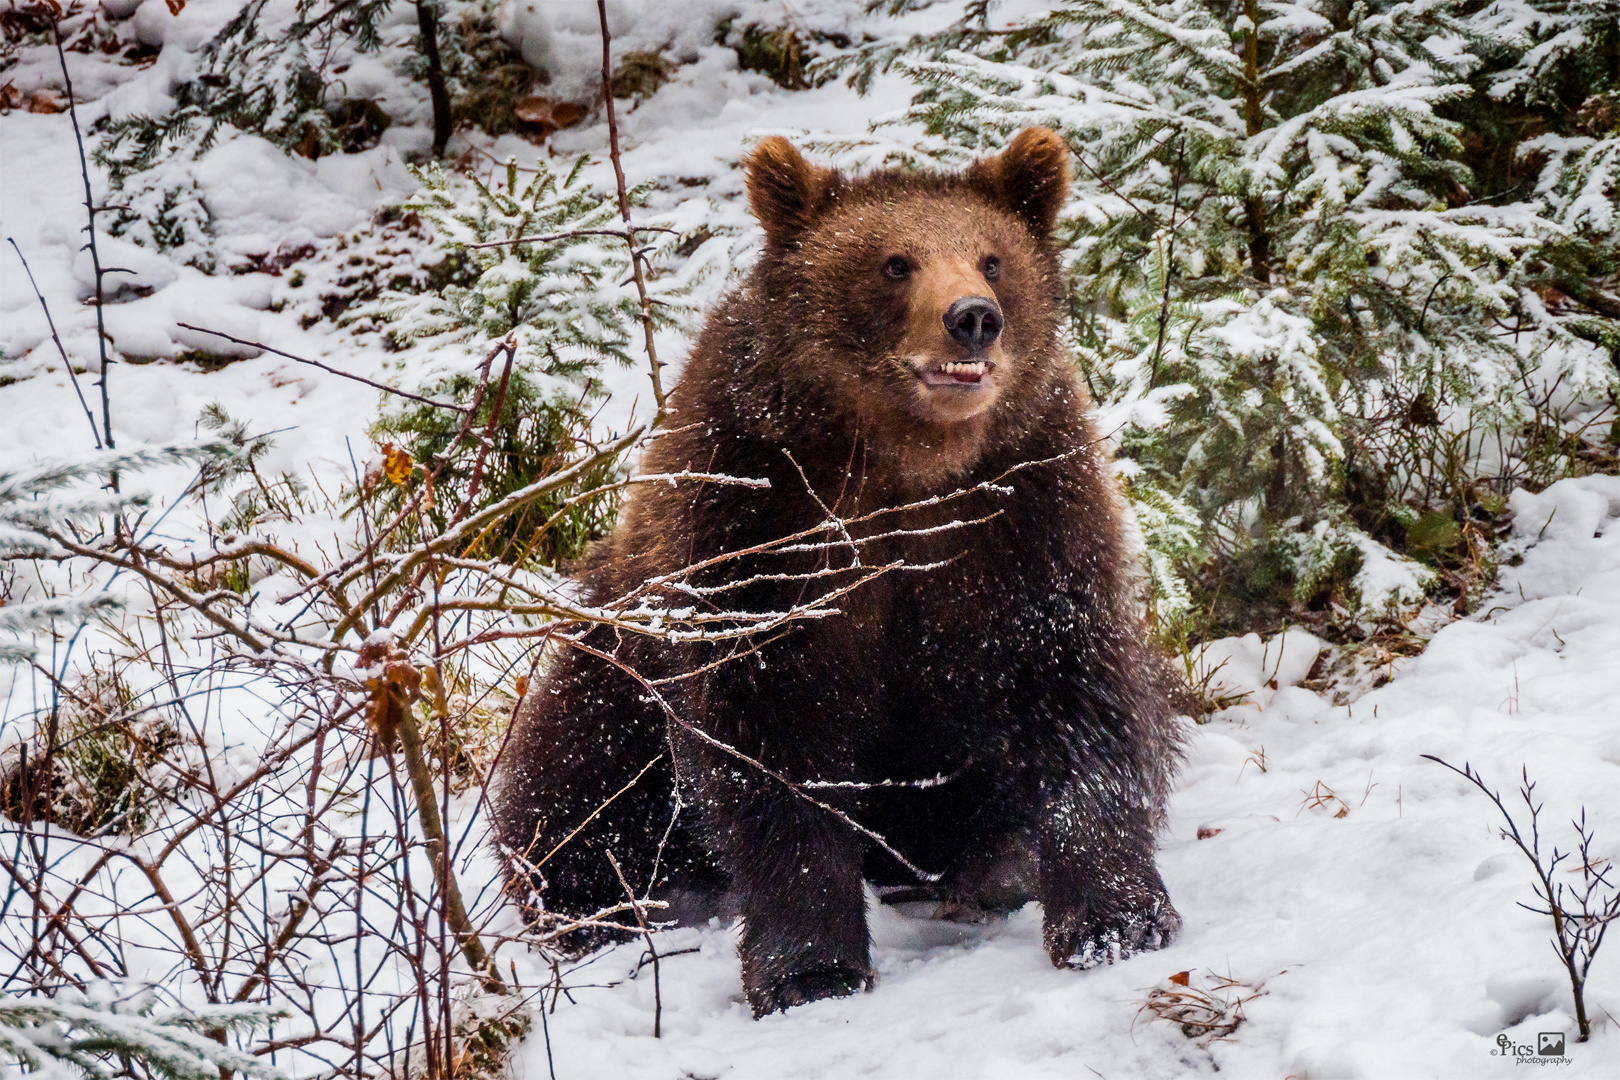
1383	941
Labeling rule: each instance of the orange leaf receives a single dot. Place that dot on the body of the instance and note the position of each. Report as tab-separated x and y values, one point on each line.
397	463
1181	978
176	6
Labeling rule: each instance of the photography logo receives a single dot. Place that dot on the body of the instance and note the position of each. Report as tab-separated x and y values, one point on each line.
1548	1049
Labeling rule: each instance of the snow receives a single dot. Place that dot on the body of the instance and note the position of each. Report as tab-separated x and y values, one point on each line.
1387	940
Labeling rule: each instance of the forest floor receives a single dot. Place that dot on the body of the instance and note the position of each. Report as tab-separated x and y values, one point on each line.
1350	908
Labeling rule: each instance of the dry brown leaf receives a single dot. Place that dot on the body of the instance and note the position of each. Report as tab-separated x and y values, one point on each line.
176	6
1551	295
374	470
1206	832
533	109
45	101
544	116
567	114
1181	978
396	684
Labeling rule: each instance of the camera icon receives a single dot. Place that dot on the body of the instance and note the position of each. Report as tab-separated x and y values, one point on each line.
1550	1044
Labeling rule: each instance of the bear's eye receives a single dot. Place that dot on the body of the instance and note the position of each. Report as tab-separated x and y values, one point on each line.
992	268
897	268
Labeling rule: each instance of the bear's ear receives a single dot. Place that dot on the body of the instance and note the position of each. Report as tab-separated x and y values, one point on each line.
785	191
1029	178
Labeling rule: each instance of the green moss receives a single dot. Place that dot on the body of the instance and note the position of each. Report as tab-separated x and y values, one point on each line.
1434	534
640	74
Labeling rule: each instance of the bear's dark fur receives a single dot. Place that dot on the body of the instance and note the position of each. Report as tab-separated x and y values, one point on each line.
1018	671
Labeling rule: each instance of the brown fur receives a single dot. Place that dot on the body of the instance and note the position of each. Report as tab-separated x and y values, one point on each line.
1019	669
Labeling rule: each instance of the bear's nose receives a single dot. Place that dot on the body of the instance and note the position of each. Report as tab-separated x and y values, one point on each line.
975	321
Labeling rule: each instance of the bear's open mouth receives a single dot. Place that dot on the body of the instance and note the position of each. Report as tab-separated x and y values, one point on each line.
956	373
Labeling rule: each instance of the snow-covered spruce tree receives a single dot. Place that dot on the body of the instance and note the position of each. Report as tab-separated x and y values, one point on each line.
1277	261
259	74
102	1032
559	297
1550	108
57	493
273	70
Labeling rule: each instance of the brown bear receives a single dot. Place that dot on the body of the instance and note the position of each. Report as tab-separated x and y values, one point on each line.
1001	720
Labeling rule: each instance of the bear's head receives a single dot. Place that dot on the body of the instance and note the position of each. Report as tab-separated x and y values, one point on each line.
921	300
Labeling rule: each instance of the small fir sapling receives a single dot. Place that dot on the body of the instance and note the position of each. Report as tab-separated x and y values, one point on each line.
279	77
540	264
538	259
253	76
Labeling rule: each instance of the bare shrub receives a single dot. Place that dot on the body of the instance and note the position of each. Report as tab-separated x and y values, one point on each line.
1580	913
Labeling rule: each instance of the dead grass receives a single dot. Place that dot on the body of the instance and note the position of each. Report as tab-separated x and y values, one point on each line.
1322	797
103	767
1203	1013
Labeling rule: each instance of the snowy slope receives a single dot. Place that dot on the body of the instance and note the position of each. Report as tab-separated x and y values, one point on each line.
1387	940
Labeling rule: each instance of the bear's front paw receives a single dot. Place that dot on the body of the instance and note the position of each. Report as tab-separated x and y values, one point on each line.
1099	934
807	986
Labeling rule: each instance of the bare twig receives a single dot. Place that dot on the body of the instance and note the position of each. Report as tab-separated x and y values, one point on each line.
90	209
395	391
427	805
73	376
621	234
652	949
1580	914
654	367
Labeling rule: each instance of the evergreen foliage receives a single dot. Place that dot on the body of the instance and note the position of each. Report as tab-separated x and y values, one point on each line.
1283	280
100	1033
557	293
51	494
1550	101
559	298
276	77
251	77
532	436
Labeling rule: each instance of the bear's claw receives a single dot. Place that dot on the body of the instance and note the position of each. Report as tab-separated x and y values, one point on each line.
807	986
1091	937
